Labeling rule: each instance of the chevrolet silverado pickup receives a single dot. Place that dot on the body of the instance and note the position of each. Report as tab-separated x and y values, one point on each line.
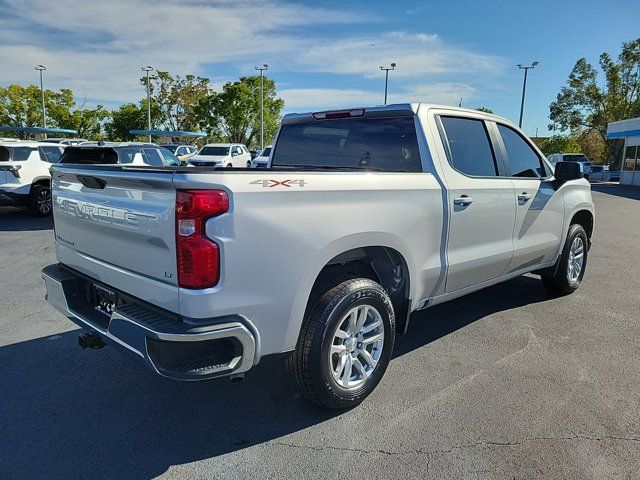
362	217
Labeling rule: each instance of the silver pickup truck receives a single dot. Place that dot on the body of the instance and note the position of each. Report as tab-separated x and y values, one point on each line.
363	217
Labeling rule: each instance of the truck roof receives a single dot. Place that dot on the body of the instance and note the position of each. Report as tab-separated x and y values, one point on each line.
399	109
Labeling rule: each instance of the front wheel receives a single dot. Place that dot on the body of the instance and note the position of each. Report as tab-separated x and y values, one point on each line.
570	267
40	200
345	344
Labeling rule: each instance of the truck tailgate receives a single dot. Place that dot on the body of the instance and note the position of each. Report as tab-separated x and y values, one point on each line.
118	226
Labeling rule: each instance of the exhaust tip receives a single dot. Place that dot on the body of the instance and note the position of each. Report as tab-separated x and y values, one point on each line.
236	377
90	340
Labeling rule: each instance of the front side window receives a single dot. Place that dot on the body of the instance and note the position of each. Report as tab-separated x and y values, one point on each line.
169	159
469	145
523	160
629	159
50	154
266	152
152	157
388	144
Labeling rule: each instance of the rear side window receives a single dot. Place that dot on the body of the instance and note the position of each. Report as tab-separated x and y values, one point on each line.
469	145
387	144
50	154
523	160
20	154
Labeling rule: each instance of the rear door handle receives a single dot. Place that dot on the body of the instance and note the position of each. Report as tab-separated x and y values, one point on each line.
463	200
524	197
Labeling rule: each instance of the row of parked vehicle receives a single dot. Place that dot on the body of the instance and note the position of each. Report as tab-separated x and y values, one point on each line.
24	165
593	173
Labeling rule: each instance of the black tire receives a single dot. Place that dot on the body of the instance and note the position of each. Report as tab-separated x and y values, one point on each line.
309	364
560	283
40	200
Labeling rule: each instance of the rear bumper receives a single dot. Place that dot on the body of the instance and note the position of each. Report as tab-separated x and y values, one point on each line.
167	344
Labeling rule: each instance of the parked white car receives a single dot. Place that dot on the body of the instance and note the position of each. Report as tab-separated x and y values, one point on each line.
225	155
262	159
24	174
364	217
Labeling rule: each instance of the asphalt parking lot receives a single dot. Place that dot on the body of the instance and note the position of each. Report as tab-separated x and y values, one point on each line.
505	383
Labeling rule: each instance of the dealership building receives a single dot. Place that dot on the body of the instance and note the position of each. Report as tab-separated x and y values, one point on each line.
629	132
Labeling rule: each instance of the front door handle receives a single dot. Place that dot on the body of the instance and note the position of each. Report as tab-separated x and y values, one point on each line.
525	197
463	200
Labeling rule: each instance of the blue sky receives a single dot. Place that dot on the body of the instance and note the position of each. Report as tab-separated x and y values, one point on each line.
321	54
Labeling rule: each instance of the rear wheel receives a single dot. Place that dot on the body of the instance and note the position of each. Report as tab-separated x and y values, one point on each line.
40	200
570	267
345	344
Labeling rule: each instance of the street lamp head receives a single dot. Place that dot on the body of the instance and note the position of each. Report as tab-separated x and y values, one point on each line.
40	67
265	65
535	63
393	65
147	68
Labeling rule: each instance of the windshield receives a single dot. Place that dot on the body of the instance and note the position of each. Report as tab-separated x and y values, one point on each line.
171	148
387	144
575	158
215	151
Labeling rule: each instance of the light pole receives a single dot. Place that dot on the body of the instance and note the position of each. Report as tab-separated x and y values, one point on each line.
41	68
148	69
386	79
524	87
262	69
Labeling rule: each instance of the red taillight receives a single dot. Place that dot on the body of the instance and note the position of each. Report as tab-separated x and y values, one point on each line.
198	257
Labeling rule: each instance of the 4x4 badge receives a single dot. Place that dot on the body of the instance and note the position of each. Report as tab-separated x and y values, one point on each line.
269	183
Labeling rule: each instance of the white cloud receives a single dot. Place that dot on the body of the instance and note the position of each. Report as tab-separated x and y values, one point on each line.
97	48
417	55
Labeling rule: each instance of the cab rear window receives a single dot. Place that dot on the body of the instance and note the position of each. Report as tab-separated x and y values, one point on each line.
387	144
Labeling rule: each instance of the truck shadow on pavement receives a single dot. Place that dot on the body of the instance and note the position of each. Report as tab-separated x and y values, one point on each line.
19	220
71	413
618	190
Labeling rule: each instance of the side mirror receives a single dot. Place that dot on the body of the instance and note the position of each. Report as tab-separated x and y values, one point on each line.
566	171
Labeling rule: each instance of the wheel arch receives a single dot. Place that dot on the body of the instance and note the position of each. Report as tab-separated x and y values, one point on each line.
381	257
585	218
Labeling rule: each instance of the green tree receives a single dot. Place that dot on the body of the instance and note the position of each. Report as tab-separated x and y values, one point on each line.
233	115
22	106
484	109
560	144
177	98
130	117
88	122
586	103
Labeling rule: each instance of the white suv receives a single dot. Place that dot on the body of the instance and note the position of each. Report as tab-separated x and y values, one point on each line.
226	155
24	174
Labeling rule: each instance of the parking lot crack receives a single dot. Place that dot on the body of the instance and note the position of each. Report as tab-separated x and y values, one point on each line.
479	444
